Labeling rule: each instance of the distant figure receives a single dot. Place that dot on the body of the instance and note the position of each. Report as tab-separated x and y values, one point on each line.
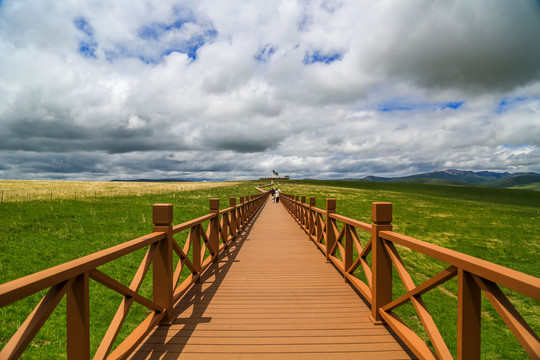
277	195
273	193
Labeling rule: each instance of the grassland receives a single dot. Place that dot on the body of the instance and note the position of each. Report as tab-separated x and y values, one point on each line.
498	225
30	190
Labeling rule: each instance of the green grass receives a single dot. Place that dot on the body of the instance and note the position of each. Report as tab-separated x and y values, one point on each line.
40	234
498	225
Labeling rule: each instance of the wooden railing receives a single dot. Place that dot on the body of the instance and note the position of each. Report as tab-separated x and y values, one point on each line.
343	248
72	279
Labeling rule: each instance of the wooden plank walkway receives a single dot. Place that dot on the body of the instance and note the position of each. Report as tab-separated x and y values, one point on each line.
272	296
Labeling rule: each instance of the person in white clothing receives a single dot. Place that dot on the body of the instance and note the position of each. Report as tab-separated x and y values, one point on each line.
277	195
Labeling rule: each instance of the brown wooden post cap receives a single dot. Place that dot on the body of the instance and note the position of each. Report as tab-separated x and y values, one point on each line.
381	212
241	199
214	204
312	201
331	204
297	197
303	199
232	201
247	197
162	214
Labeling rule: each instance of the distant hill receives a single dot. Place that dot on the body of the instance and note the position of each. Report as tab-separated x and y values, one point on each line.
529	181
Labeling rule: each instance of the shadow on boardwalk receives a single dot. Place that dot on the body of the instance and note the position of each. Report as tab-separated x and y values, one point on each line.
191	307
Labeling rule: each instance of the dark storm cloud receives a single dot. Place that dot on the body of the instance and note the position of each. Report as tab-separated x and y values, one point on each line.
74	163
65	136
469	45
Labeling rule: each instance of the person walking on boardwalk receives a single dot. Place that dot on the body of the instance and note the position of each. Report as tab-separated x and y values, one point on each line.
277	195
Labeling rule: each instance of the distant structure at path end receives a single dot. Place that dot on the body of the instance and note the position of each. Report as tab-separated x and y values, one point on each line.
275	176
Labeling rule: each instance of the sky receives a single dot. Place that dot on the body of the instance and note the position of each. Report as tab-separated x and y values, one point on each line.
233	89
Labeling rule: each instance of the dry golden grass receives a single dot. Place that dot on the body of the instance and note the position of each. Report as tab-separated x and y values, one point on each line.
29	190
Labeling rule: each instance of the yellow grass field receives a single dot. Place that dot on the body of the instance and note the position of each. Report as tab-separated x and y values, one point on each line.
29	190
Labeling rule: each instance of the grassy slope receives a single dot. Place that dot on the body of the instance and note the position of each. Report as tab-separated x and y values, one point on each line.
498	225
40	234
533	186
521	180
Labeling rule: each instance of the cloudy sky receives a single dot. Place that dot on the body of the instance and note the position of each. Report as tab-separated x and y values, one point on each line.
234	89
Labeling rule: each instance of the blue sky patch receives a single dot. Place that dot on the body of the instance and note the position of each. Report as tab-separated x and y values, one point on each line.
508	103
425	107
266	53
155	32
87	44
83	25
452	105
320	57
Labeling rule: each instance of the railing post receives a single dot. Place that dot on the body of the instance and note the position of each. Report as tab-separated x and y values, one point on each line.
469	317
347	258
297	207
163	257
248	207
78	319
303	212
381	263
312	202
213	238
195	238
242	213
330	234
233	224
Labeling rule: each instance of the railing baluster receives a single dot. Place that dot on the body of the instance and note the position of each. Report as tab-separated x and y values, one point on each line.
312	216
348	256
233	224
469	320
241	215
78	319
380	259
330	235
303	212
163	261
213	227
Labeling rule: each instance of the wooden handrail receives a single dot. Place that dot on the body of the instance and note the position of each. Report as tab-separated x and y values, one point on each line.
33	283
512	279
72	279
474	277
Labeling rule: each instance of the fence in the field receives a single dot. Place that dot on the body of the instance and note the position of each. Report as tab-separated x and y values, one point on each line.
337	237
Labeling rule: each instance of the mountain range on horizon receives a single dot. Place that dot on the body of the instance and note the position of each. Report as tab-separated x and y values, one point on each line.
529	180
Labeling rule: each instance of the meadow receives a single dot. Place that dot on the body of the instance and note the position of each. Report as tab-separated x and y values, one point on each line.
30	190
498	225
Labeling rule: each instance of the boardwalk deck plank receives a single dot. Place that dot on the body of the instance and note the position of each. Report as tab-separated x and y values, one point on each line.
272	296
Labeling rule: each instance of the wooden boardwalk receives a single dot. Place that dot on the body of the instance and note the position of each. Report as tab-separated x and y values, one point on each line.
272	296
